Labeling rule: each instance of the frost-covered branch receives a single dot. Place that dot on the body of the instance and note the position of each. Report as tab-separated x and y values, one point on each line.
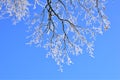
65	27
18	9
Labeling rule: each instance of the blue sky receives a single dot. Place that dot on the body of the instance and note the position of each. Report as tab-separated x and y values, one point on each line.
22	62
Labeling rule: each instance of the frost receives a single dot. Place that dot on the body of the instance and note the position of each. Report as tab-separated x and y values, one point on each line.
63	27
15	8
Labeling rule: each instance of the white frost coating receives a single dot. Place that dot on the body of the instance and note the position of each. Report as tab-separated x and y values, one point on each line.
65	27
15	8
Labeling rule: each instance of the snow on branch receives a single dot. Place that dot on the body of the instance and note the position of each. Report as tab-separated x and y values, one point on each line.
65	27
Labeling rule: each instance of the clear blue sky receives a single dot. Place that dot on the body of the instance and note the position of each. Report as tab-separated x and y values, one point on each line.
22	62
